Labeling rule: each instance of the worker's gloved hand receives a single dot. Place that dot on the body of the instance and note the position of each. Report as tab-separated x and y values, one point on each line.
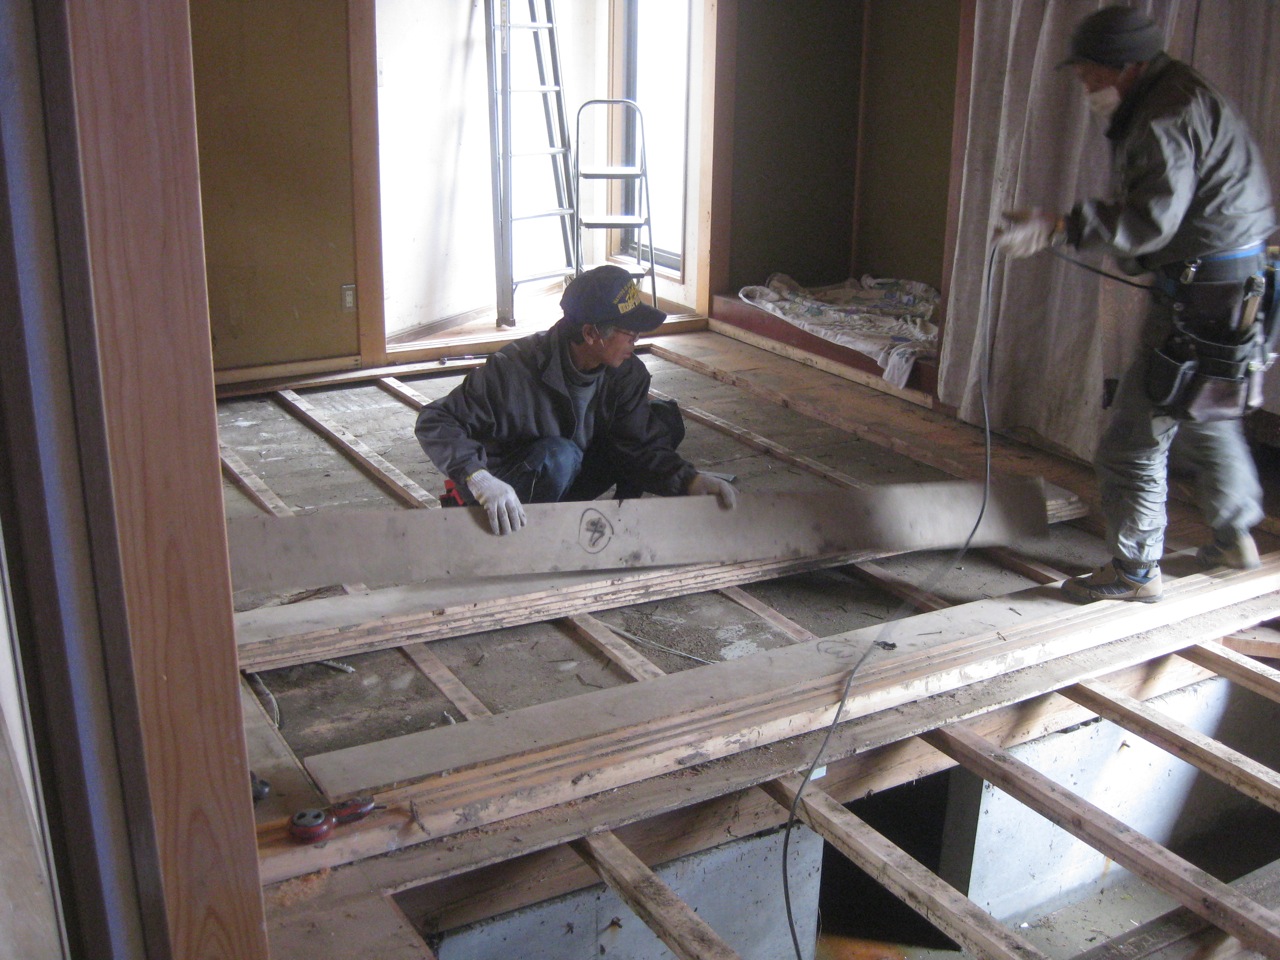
705	485
1026	232
499	500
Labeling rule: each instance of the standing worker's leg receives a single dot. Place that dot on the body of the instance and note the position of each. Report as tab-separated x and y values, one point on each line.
1227	490
1131	465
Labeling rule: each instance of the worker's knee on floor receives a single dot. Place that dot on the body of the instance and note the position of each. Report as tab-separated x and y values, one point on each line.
555	463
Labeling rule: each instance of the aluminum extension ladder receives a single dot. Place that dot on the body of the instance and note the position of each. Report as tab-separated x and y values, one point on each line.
626	188
541	79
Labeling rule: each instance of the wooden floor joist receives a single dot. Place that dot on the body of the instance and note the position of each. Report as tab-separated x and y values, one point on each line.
669	917
253	487
1261	641
385	474
1233	768
905	877
1237	668
1198	891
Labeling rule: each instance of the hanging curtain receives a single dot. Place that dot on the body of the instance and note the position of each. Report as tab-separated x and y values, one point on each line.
1054	332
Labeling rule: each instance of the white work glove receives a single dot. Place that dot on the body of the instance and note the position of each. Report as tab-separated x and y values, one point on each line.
499	501
705	485
1027	232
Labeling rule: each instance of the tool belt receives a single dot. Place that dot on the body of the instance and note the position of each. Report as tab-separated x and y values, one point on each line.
1225	311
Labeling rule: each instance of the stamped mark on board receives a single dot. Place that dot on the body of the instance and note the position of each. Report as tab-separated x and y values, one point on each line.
594	531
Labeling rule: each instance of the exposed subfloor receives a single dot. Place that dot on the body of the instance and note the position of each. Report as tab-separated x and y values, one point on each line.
369	697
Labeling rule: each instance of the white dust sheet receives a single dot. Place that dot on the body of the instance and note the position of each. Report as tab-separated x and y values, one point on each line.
888	320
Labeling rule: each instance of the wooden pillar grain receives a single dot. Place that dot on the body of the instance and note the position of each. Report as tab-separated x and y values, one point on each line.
119	101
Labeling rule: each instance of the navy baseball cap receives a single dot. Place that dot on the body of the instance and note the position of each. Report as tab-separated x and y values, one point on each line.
1113	37
608	295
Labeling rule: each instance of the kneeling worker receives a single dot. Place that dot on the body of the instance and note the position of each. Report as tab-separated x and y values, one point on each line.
564	414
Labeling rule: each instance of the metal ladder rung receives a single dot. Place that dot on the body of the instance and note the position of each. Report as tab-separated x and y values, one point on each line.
618	222
560	273
530	26
561	212
546	89
544	152
610	173
636	270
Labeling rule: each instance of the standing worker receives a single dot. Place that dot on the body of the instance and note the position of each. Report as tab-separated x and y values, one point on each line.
1192	205
564	414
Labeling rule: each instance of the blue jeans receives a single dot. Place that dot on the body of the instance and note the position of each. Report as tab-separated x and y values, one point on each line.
553	469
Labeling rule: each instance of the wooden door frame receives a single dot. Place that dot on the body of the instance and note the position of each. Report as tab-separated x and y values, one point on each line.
114	536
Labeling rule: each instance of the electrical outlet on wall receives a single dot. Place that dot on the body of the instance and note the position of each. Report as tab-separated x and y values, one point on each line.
349	297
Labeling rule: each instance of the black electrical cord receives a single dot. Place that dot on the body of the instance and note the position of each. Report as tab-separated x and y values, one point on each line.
932	583
1102	273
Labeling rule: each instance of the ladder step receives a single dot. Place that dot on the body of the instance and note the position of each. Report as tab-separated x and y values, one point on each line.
611	173
636	270
559	212
531	26
545	89
544	152
613	223
558	273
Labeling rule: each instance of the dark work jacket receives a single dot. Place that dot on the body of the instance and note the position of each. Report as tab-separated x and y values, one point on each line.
520	395
1188	177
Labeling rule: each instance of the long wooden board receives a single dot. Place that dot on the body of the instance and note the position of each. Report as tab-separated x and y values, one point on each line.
510	764
281	636
893	761
775	687
397	546
660	817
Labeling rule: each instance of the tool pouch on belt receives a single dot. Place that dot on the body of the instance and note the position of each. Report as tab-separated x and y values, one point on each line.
1210	367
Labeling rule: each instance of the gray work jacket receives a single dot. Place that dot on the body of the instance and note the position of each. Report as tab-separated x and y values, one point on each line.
520	395
1189	178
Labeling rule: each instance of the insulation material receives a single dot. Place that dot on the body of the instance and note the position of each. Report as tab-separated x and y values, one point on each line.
888	320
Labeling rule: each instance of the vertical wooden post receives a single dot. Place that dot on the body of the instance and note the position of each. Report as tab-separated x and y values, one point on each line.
119	101
719	55
362	54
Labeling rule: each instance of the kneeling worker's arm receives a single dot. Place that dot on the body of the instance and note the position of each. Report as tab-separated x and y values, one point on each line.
703	484
499	500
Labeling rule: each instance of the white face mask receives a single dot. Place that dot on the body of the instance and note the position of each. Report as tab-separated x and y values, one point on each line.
1103	102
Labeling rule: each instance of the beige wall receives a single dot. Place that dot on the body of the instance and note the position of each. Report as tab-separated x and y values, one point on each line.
273	110
794	140
912	49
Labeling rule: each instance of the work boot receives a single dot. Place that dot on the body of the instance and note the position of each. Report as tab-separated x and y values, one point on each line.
1112	582
1235	549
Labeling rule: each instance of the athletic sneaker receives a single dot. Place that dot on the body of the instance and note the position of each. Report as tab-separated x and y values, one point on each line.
1112	582
1237	551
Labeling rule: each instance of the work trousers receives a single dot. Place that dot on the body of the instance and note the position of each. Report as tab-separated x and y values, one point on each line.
554	469
1133	457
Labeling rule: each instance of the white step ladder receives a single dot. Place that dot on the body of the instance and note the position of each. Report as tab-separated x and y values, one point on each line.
629	195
